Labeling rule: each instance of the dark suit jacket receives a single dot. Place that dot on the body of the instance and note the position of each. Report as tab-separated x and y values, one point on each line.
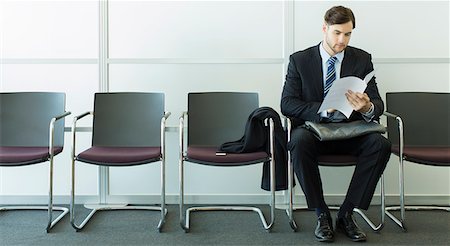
256	138
303	89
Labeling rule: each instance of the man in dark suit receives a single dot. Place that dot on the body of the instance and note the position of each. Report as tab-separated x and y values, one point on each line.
306	84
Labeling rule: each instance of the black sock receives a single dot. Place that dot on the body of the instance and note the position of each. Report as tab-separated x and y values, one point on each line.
346	207
322	210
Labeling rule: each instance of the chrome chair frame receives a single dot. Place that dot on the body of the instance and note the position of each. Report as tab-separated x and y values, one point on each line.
51	222
290	209
105	207
401	158
185	217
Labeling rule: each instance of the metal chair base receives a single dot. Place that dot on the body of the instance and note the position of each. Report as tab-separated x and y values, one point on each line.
267	226
109	207
401	222
51	223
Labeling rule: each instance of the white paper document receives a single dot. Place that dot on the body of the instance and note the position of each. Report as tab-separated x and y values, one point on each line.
336	98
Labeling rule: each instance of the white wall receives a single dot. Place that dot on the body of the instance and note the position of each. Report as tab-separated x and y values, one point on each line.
180	46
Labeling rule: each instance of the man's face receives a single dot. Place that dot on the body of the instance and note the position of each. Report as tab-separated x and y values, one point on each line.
336	37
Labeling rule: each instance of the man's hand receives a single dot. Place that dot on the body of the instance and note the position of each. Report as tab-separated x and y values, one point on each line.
360	102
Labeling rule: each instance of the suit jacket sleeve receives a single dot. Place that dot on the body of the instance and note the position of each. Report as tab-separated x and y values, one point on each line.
302	96
360	65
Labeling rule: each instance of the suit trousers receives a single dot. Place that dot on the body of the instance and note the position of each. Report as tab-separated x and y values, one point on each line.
372	152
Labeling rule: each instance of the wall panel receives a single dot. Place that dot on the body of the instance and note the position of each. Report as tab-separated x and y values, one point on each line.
176	80
196	29
49	29
387	29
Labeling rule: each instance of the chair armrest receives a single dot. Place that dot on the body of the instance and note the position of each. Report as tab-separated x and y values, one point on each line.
163	125
400	131
74	127
62	116
163	133
52	131
167	114
288	127
181	132
387	114
78	117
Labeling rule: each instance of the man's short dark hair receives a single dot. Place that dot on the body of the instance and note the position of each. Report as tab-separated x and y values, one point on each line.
339	15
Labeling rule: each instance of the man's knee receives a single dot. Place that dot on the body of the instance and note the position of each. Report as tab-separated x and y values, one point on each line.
301	138
382	143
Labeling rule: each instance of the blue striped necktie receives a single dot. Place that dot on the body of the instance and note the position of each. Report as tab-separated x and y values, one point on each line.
331	75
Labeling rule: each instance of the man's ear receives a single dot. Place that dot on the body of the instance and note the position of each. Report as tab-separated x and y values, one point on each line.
324	27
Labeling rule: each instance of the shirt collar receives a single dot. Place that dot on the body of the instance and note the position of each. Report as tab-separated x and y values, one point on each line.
325	56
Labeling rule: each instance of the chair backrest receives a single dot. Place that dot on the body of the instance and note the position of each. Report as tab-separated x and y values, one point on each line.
25	118
425	117
218	117
127	119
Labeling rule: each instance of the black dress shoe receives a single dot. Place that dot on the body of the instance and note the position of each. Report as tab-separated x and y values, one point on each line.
348	226
324	230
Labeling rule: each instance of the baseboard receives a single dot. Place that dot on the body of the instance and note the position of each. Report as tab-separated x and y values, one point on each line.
440	200
146	199
280	198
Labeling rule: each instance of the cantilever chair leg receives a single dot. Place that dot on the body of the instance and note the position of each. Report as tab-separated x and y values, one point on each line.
105	207
51	223
289	209
50	208
185	216
400	222
402	208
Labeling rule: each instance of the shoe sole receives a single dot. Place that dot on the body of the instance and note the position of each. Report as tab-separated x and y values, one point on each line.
338	229
325	240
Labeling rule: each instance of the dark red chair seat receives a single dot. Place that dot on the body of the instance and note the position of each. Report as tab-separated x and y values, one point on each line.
337	160
429	155
18	156
117	156
207	155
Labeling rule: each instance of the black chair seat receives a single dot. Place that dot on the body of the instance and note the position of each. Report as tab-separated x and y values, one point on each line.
116	156
17	156
207	155
430	155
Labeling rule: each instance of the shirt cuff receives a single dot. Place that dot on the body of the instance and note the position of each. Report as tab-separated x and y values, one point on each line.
369	114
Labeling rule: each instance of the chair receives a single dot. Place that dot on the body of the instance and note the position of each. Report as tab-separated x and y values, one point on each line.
32	132
212	119
128	130
418	127
330	161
